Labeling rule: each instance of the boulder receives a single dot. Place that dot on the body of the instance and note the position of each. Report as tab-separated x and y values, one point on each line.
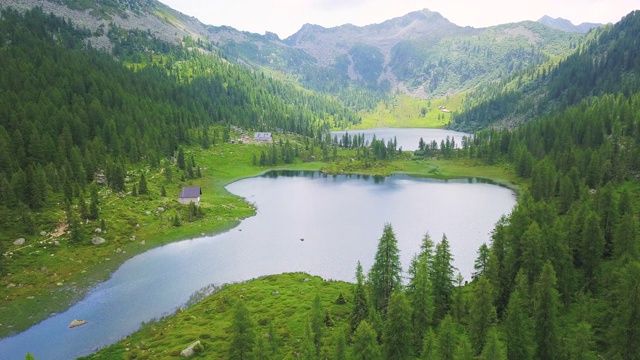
76	323
192	349
98	230
97	240
43	233
19	242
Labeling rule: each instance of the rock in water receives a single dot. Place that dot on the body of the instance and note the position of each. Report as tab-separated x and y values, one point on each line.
76	323
192	349
97	240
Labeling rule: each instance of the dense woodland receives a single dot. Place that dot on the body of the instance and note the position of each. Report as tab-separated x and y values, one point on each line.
607	62
69	112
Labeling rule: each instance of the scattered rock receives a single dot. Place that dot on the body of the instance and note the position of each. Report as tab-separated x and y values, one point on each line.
97	240
56	243
160	209
118	250
98	230
59	284
192	349
142	242
11	285
133	238
147	213
306	280
43	233
19	242
76	323
275	292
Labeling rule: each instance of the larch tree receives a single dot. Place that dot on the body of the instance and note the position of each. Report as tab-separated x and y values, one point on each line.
625	326
545	315
442	279
242	334
397	329
482	314
360	309
365	343
518	323
385	274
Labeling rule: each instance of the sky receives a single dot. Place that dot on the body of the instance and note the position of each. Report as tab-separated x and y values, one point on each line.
285	17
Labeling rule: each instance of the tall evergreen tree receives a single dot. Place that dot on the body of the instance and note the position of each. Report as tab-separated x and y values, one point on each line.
397	329
317	326
493	348
545	314
142	185
421	300
482	314
430	346
625	327
518	325
365	343
242	334
385	273
360	309
340	345
447	338
442	279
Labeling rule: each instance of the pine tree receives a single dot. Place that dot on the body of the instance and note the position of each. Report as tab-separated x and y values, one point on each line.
308	348
592	248
242	334
493	348
397	329
142	185
625	327
442	279
94	202
482	314
579	344
360	309
385	272
317	325
545	314
482	261
430	346
421	300
447	338
464	350
518	324
340	345
181	161
365	343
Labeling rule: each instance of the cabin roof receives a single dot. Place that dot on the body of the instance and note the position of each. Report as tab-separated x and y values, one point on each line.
190	192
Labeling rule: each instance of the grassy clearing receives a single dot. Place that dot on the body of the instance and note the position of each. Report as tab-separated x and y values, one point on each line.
404	111
43	278
210	320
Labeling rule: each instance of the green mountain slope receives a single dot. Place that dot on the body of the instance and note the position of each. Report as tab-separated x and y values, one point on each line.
606	63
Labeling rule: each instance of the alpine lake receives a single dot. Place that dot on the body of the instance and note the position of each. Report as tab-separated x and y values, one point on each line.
306	221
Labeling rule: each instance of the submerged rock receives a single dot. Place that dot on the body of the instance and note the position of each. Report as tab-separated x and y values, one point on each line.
76	323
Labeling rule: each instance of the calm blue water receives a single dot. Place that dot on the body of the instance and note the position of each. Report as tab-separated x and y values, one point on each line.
408	138
340	219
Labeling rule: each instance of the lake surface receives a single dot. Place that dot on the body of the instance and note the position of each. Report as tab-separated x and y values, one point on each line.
408	138
339	217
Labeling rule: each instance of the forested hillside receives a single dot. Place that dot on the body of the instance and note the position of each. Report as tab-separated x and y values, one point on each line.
69	112
559	280
606	63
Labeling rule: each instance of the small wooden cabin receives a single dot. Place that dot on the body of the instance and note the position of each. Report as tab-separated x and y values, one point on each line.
190	195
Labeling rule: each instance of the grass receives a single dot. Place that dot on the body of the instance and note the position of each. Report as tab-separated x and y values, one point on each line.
404	111
210	320
43	278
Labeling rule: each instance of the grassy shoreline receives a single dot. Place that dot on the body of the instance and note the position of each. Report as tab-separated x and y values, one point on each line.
66	282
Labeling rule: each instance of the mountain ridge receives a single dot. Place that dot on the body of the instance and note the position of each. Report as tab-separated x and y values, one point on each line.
566	25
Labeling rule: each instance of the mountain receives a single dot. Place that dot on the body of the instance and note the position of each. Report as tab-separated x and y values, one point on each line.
421	53
566	25
606	63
